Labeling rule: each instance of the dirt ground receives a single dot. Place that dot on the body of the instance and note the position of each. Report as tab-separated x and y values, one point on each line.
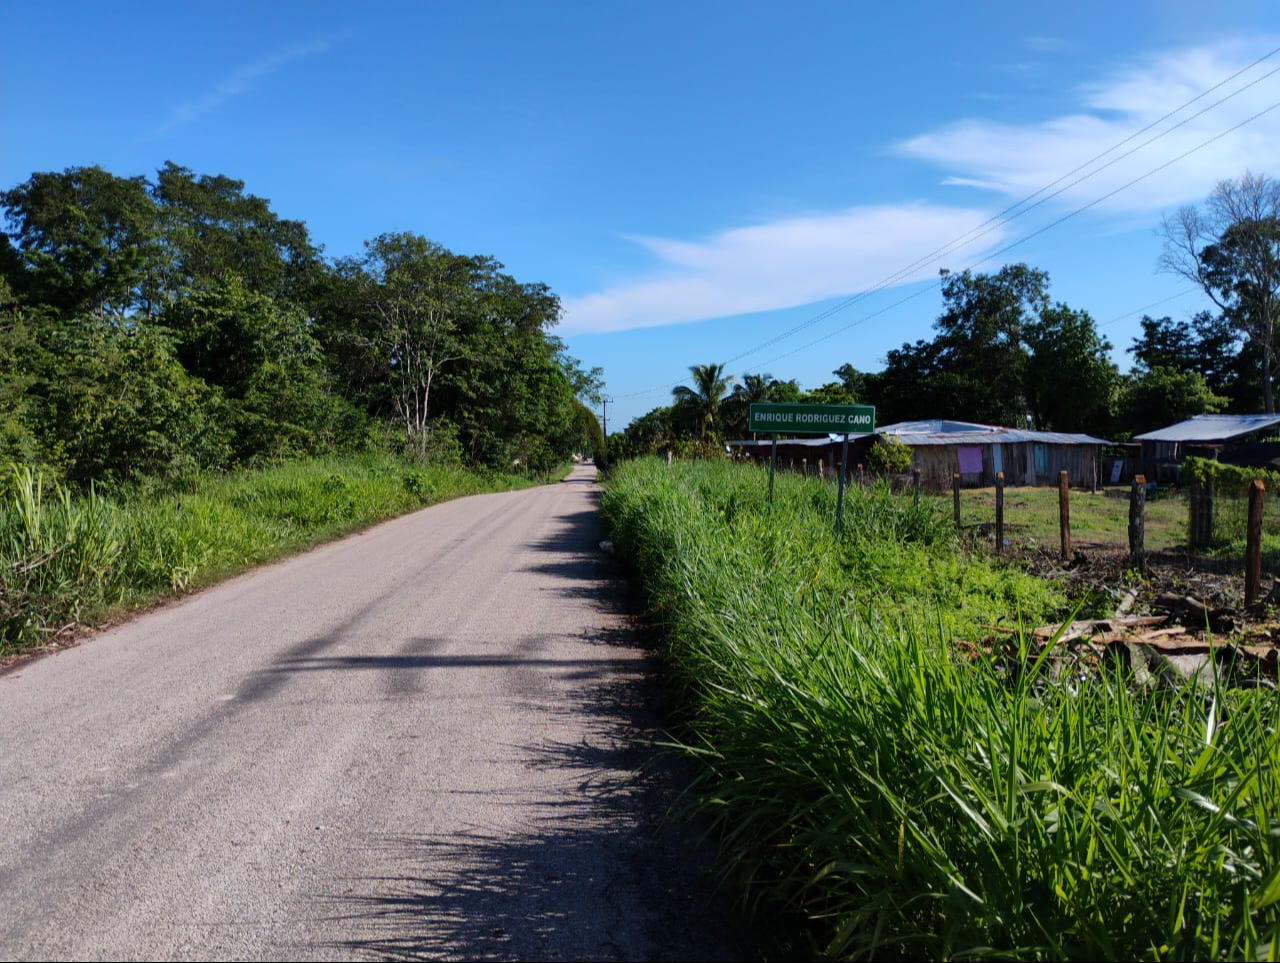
1182	611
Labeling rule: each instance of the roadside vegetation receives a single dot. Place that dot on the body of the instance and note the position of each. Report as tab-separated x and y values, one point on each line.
903	796
69	558
188	386
1101	520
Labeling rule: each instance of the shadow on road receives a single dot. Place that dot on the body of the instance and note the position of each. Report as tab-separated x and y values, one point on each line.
598	872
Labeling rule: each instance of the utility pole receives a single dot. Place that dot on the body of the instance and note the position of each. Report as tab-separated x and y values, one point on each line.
604	403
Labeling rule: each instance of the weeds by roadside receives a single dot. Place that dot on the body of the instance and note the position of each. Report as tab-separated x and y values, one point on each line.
69	558
912	802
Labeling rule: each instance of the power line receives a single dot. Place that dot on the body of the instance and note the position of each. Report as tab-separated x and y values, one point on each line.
983	229
1000	220
1037	233
1148	307
1007	215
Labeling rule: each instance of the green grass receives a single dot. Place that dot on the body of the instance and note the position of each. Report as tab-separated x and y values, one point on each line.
1031	514
67	559
907	802
1102	520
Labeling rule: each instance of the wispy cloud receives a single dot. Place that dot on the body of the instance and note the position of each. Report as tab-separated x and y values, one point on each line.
1018	159
1045	44
780	264
242	81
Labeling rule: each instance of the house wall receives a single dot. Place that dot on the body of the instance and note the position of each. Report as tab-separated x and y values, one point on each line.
1019	461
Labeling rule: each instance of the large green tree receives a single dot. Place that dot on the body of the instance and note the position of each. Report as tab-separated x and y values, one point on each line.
982	355
1071	381
1163	396
1208	344
1002	355
404	301
84	241
1231	250
268	365
211	228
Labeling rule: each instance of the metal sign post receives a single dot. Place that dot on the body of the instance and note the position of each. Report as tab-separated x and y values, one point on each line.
800	419
773	465
844	467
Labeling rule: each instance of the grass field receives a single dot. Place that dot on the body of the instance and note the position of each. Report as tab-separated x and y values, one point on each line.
1102	520
908	802
68	559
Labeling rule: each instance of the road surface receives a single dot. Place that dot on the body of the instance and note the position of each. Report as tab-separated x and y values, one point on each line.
418	742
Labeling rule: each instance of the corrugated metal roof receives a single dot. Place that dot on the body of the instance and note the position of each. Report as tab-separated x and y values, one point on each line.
1211	428
933	426
998	436
987	436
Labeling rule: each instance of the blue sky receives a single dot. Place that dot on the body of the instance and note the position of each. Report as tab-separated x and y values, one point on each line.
693	179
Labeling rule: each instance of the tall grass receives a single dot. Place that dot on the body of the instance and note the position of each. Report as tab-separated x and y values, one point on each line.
68	558
912	803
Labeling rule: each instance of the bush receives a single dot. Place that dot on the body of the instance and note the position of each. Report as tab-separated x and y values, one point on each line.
889	456
1229	480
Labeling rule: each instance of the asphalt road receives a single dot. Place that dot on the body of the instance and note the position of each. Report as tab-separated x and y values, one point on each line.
423	741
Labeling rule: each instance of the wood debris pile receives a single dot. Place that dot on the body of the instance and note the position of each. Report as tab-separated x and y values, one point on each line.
1192	640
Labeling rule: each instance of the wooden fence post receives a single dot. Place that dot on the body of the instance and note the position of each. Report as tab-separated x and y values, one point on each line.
955	496
1137	522
1196	533
1253	543
915	483
999	512
862	475
1193	512
1064	514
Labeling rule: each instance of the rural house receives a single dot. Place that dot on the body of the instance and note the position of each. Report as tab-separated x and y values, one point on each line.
941	447
1229	438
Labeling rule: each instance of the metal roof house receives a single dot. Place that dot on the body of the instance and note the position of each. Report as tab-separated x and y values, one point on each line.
978	452
941	447
1208	436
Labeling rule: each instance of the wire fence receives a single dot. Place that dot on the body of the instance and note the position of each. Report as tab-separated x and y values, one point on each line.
1032	520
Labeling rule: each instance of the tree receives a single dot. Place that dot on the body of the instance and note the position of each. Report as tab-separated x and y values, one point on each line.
211	227
851	389
1071	382
411	294
751	390
1209	345
1231	250
1163	396
701	405
265	360
85	242
653	431
982	356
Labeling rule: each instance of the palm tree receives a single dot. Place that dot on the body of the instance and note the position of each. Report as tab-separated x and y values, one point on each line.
703	401
753	388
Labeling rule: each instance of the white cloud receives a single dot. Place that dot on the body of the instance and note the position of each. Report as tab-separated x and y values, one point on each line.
780	264
1045	44
1019	159
241	81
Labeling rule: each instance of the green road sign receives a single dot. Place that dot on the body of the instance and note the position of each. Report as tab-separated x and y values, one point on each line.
796	419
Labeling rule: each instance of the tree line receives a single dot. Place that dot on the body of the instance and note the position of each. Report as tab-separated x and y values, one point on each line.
1005	353
157	326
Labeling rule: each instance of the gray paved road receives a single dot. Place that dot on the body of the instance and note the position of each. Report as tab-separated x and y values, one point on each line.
414	743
